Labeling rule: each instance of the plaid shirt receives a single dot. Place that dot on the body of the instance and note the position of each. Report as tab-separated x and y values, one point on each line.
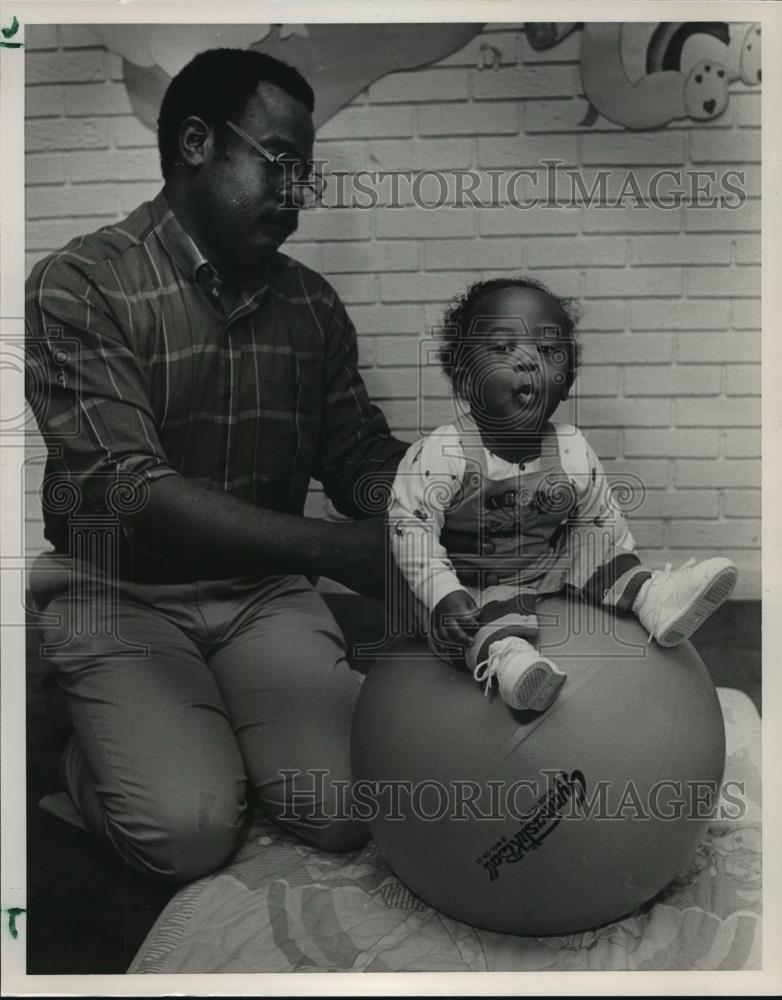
135	370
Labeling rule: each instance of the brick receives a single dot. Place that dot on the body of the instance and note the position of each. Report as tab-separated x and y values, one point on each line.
115	67
561	281
369	122
628	349
725	147
642	148
509	220
656	314
398	383
744	443
558	251
647	281
132	165
748	108
683	380
722	473
54	234
671	443
525	82
405	351
744	534
420	85
63	202
97	99
64	67
626	413
743	503
745	315
420	223
471	119
735	412
335	224
631	220
424	154
38	37
648	250
44	134
717	282
597	381
133	195
44	168
391	319
601	316
672	504
530	152
745	218
427	286
708	348
746	249
44	102
639	476
743	380
79	36
561	115
420	415
476	254
380	256
359	288
342	155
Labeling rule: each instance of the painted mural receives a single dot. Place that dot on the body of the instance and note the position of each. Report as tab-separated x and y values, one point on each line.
639	75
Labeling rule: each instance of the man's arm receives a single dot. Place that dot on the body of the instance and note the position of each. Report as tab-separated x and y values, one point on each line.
358	456
96	416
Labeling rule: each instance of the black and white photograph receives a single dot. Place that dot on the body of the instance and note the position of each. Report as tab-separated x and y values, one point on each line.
385	588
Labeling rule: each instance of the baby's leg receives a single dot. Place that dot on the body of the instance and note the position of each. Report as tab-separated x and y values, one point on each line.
504	647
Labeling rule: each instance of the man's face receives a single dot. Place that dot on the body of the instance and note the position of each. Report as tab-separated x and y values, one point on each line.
241	208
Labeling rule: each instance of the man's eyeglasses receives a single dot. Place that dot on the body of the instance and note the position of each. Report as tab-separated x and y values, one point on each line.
296	177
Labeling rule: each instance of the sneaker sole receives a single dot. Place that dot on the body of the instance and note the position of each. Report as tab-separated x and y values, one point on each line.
716	592
537	687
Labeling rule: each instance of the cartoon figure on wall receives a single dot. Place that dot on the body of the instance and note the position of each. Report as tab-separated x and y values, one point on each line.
640	75
645	75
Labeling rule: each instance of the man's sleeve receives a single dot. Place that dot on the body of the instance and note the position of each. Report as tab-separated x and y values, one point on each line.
358	456
85	385
427	481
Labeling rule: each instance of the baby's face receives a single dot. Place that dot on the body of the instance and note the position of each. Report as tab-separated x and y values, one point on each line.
520	367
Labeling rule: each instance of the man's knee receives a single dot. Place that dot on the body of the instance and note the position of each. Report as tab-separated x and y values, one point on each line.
336	835
185	840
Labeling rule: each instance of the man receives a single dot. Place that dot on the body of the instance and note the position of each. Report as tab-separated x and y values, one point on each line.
195	380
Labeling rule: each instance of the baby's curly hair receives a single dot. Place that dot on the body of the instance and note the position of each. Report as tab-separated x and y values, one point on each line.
455	352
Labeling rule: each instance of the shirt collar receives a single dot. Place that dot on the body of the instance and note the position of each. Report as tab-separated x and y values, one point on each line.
186	253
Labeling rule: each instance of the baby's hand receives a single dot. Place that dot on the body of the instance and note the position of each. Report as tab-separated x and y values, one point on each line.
455	619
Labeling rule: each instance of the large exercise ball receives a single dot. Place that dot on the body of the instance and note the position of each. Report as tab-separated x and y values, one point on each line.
546	823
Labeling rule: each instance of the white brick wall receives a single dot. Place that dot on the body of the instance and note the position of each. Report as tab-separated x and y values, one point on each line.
669	297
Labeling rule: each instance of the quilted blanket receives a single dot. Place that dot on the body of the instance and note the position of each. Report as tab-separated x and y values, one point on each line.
282	906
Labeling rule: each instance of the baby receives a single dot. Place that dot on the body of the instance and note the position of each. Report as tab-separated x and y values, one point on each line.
533	497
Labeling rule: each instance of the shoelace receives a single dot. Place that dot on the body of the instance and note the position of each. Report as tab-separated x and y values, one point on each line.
664	576
499	653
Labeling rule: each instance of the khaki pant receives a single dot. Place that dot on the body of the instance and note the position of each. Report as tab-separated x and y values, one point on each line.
180	693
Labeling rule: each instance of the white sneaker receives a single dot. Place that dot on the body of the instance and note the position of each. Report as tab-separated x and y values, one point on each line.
527	680
672	604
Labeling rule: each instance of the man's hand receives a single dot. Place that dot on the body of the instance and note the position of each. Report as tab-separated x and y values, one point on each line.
455	619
